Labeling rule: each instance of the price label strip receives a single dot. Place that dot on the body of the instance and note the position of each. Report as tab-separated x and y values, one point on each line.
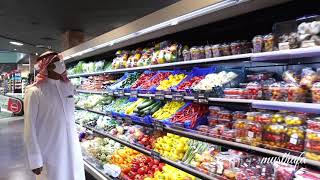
155	155
159	95
134	94
177	97
201	98
158	126
110	92
128	120
120	92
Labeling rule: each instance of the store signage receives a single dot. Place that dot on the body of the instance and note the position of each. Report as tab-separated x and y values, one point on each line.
11	104
15	105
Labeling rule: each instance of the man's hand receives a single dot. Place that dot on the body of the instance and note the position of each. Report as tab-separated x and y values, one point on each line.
37	171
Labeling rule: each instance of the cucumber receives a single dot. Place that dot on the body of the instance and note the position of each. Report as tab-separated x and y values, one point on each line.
149	107
145	104
155	108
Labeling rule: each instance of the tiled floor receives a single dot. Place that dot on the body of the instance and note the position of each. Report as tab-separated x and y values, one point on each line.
12	162
12	159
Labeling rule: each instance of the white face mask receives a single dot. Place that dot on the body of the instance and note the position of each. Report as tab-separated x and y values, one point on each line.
60	67
36	67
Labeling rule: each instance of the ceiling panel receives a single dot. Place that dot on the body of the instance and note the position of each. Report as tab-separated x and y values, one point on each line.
39	22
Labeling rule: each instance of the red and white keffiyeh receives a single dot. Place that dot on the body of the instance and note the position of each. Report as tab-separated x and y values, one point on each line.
42	64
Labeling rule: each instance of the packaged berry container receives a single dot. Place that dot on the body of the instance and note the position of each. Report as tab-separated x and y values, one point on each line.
216	50
315	90
257	43
314	124
251	116
214	110
208	51
278	92
212	121
312	135
195	53
235	48
278	117
295	138
274	135
268	42
295	93
240	131
253	90
186	54
239	115
226	51
203	128
294	120
254	133
225	115
264	118
228	135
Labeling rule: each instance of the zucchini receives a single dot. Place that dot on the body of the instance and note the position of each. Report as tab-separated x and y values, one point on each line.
145	104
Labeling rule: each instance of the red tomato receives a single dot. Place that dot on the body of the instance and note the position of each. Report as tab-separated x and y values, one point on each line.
156	162
141	171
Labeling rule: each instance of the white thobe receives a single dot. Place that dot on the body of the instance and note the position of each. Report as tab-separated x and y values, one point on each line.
50	134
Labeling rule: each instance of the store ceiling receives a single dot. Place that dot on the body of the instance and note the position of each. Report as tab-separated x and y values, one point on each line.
38	22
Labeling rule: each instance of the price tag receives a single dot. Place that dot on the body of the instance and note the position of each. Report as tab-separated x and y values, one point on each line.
250	134
110	92
108	113
293	140
155	155
128	120
159	95
120	92
158	126
177	97
134	94
201	98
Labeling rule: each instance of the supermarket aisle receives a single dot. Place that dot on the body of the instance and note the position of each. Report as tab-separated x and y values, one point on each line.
12	159
12	162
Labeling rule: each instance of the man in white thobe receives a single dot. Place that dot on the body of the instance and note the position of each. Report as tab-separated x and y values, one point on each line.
52	146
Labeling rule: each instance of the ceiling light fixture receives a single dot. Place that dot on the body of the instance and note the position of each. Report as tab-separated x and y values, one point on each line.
14	49
16	43
194	14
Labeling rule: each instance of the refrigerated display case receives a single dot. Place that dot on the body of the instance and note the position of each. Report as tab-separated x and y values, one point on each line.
253	100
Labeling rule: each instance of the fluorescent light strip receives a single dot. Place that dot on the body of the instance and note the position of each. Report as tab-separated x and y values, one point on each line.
204	11
16	43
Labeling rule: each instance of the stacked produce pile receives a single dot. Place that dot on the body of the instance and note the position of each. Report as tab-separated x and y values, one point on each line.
144	78
190	115
155	81
86	118
94	102
90	67
168	110
97	82
172	81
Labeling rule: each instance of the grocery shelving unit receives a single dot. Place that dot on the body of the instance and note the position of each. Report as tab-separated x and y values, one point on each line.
205	138
95	171
250	59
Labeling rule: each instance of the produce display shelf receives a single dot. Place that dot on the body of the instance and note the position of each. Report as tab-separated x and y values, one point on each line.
263	56
234	145
173	64
96	173
151	153
259	104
